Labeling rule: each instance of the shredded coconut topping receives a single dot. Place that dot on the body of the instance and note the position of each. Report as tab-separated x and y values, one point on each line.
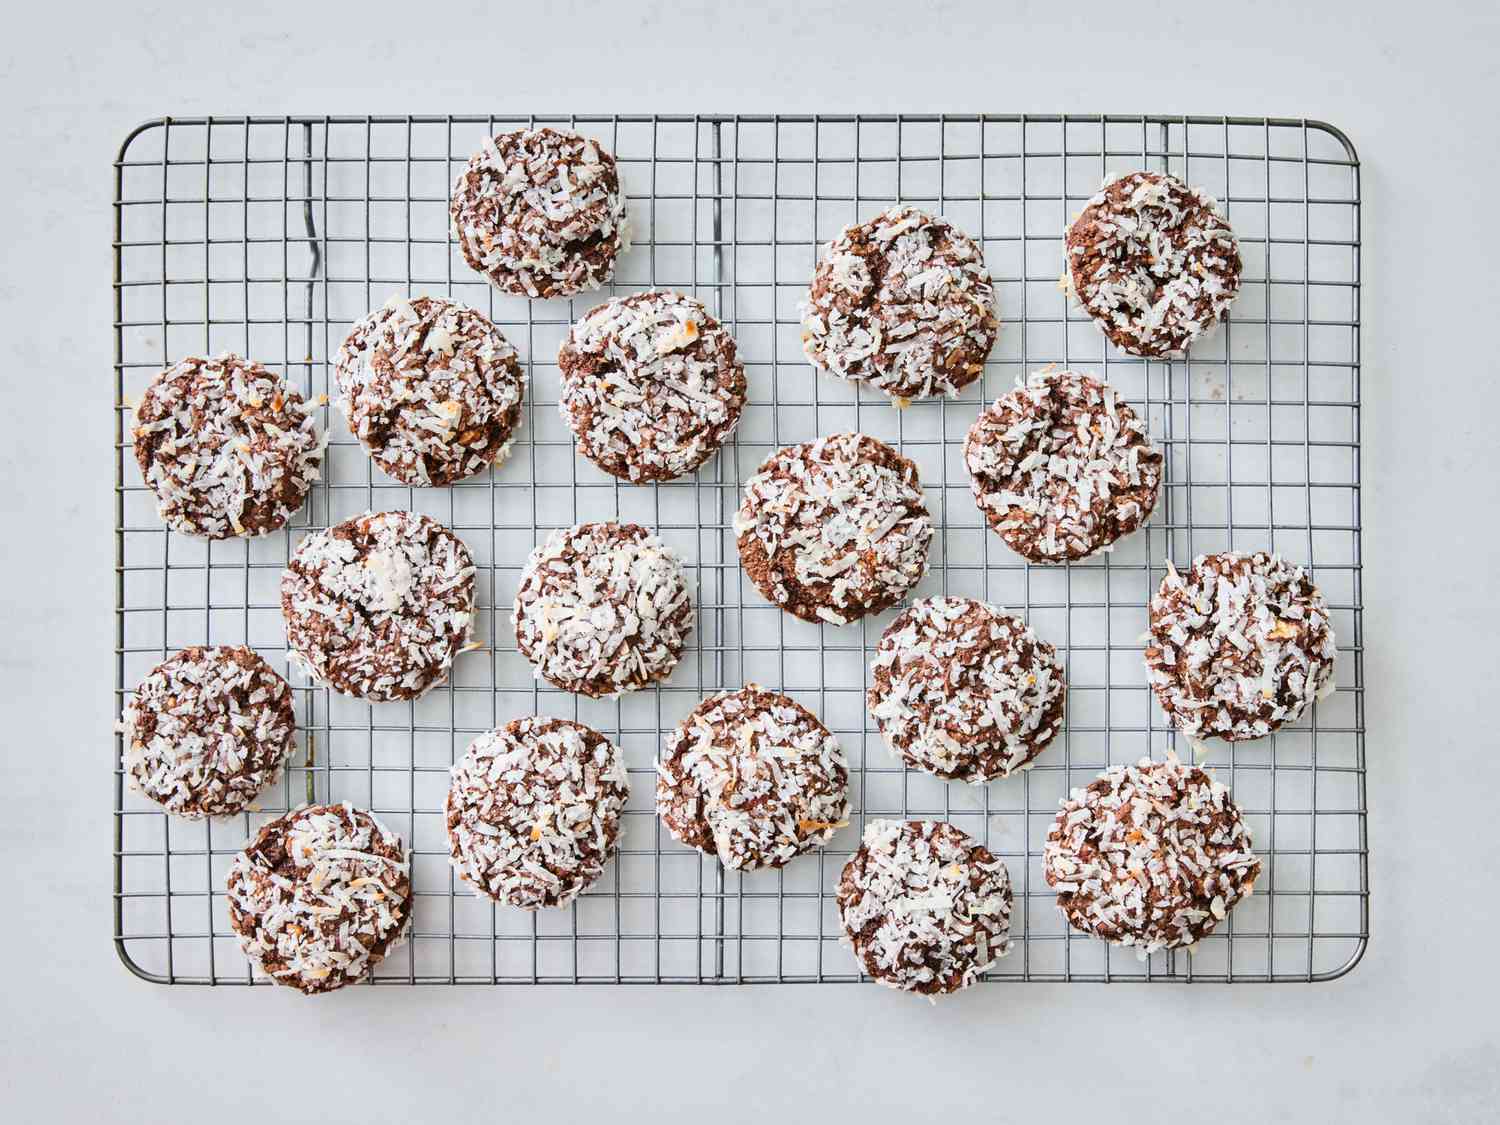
534	811
1239	645
965	691
1061	467
1152	855
903	303
835	528
540	212
228	447
651	385
320	896
378	606
924	907
207	730
754	778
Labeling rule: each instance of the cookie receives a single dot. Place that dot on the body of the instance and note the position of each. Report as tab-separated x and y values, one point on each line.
754	778
602	608
1061	467
378	606
1238	646
228	447
965	691
431	389
902	303
834	529
534	811
651	386
1154	262
207	730
1153	855
924	907
320	896
540	213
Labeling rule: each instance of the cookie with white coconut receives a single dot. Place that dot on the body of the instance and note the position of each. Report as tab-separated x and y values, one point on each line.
902	303
540	213
533	811
378	606
1238	645
652	386
1153	855
925	908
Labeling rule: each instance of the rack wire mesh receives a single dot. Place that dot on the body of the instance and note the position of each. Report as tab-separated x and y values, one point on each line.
269	236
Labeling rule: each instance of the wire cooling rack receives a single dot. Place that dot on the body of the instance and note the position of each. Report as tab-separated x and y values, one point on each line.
269	236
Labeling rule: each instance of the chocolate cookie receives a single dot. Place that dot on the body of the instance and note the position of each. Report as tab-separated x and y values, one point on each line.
1154	262
534	811
651	386
602	608
378	606
320	896
965	691
207	730
834	529
1238	646
754	778
924	907
540	213
903	303
1061	467
228	447
432	390
1152	855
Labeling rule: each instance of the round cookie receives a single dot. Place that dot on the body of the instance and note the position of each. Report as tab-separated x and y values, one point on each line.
320	896
835	528
924	907
1238	645
228	447
540	213
534	811
1152	855
207	730
965	691
1154	262
1061	467
431	389
904	303
754	778
602	608
651	386
378	606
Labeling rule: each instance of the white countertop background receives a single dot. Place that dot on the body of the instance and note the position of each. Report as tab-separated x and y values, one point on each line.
1409	1036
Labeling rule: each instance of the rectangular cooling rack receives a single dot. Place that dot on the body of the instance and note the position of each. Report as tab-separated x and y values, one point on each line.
269	236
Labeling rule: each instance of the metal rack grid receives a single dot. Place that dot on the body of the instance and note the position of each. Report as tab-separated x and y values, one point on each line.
269	236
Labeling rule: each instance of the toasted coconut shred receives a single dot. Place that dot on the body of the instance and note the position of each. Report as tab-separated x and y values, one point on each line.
229	448
602	608
320	896
1153	855
378	606
651	386
1061	467
964	690
754	778
540	213
834	529
924	907
431	388
207	730
534	811
904	303
1239	645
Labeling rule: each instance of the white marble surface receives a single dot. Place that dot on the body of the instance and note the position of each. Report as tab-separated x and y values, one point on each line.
1409	1036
